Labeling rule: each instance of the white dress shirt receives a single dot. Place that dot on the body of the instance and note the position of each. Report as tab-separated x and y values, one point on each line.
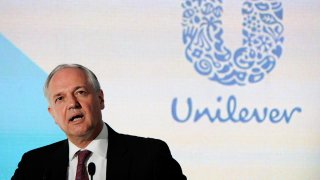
98	147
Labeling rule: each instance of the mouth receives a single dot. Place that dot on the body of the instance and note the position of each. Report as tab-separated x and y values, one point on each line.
76	117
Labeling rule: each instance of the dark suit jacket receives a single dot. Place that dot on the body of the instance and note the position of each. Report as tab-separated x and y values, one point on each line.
128	157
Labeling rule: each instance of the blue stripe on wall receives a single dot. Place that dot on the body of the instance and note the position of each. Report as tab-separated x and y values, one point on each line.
25	122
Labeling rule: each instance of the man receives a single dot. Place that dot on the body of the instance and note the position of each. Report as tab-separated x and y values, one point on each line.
75	102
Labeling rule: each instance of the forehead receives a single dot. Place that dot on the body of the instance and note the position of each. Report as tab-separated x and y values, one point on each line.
68	77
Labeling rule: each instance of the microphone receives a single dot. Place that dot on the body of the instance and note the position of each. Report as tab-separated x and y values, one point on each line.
91	169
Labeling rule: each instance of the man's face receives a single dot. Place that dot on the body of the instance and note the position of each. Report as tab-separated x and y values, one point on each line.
75	105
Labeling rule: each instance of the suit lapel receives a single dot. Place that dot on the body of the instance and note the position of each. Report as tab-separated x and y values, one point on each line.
117	159
60	161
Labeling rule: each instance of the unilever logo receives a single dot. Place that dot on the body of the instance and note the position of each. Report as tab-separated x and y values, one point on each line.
261	46
204	47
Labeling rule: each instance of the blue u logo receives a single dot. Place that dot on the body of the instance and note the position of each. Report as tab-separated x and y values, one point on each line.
262	43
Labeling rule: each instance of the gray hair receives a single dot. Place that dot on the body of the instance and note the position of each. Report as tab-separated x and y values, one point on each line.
91	76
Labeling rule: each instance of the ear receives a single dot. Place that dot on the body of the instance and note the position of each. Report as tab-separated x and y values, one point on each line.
51	111
101	99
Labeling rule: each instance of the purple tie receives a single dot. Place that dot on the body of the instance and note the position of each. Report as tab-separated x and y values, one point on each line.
81	167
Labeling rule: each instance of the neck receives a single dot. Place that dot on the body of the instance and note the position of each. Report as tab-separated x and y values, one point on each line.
83	141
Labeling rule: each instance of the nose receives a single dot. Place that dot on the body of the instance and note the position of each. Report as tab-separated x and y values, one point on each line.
73	103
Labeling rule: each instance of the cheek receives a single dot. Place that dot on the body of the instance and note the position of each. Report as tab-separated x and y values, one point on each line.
59	115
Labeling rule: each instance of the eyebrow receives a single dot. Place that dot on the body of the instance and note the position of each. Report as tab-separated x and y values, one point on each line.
74	89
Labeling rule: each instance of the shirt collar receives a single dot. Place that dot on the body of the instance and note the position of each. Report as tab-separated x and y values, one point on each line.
98	146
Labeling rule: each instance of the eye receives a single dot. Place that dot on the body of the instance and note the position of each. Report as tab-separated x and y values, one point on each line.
59	98
81	92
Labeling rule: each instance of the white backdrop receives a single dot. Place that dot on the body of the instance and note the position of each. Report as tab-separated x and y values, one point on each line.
136	49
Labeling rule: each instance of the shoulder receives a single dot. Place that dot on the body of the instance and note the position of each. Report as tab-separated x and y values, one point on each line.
120	141
35	163
149	149
143	142
148	157
154	155
42	154
48	149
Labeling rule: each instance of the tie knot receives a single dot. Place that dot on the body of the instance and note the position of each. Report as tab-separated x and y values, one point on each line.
83	156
